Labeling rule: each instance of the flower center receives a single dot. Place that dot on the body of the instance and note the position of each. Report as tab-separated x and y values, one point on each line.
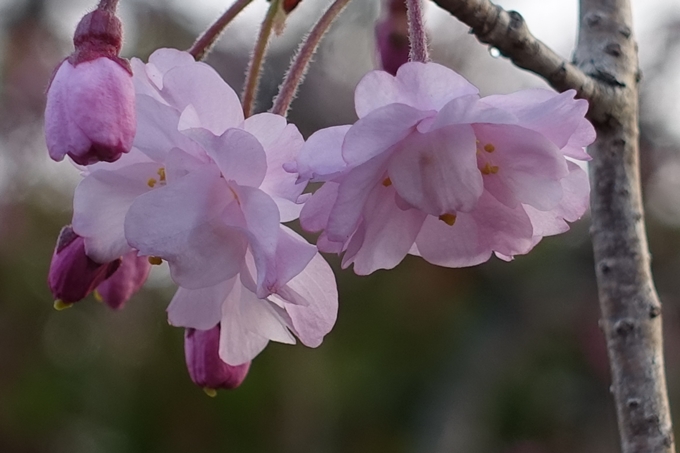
161	178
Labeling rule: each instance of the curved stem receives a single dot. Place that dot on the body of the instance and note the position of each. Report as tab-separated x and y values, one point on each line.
207	40
256	60
416	32
298	67
109	5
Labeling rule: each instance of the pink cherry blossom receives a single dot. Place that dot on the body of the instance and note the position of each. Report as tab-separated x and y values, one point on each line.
205	190
432	169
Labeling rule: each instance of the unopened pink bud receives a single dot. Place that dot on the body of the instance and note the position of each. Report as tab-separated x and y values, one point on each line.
73	275
206	368
116	290
391	34
90	112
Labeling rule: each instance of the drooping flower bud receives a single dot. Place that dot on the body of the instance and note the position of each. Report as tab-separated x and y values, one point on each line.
206	368
73	275
116	290
90	111
391	34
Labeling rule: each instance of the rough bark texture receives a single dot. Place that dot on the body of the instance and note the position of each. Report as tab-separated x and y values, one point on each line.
605	71
630	306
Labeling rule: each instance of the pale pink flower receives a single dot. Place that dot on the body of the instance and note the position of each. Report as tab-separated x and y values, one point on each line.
205	190
90	111
432	169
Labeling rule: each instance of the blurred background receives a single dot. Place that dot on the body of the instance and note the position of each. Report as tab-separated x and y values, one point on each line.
503	357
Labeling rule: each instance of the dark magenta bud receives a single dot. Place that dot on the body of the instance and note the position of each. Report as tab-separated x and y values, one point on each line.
73	275
206	368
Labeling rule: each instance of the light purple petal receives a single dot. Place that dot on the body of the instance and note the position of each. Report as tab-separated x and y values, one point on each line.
352	195
216	104
182	224
437	172
557	116
315	213
377	132
320	158
248	323
315	306
528	167
390	232
262	224
423	86
293	254
116	290
199	308
238	154
100	204
157	130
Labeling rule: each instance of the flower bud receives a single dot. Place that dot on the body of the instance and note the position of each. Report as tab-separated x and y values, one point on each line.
116	290
391	34
206	368
73	275
90	111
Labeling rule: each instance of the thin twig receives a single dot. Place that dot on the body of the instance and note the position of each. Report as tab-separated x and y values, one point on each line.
207	40
257	58
416	32
298	67
507	31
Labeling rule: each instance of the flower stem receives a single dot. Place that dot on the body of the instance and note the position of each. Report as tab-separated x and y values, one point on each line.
256	60
416	32
199	50
298	67
109	5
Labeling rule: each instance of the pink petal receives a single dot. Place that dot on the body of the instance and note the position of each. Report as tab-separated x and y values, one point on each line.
216	104
390	232
315	306
529	167
182	224
320	158
423	86
100	204
157	130
315	213
262	224
353	192
557	116
237	153
293	254
437	172
248	323
377	132
199	308
116	290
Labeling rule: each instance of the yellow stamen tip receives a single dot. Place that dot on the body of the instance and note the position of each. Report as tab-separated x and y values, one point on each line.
60	305
151	182
98	297
212	393
489	148
387	182
161	173
494	169
448	219
155	260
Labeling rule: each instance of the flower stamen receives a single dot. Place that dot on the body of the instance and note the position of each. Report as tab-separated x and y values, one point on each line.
448	219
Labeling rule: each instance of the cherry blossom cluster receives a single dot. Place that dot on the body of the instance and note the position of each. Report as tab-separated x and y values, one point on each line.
174	172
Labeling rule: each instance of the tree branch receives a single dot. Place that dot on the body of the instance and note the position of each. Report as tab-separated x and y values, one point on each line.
607	75
507	31
630	305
